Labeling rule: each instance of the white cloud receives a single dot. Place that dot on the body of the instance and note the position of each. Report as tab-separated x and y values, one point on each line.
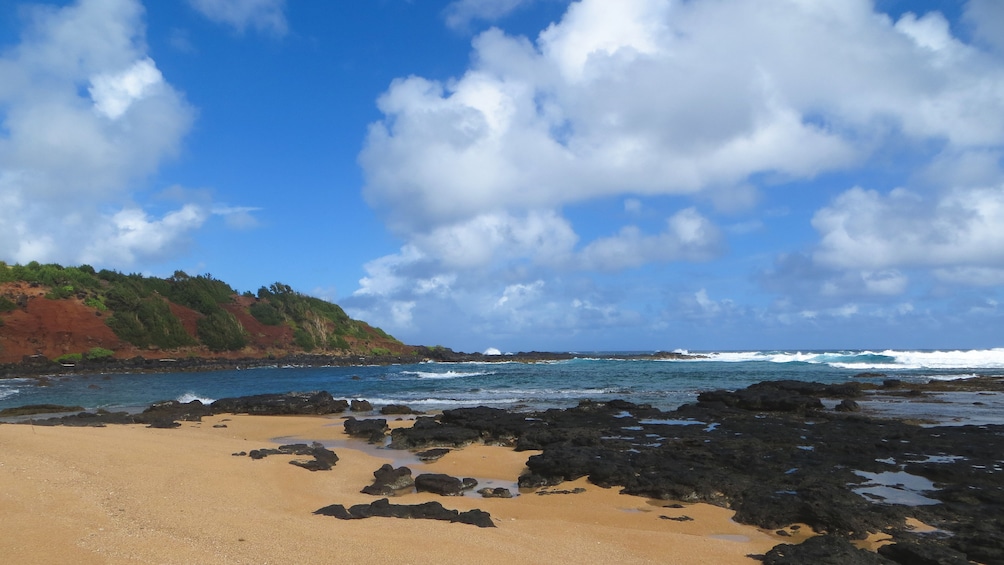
489	238
264	15
113	93
864	229
652	97
85	118
873	283
237	217
987	19
715	101
972	276
131	234
688	236
459	14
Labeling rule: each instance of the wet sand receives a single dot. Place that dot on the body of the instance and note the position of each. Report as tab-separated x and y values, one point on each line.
133	495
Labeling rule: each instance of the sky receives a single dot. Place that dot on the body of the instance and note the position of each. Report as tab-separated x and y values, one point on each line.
594	175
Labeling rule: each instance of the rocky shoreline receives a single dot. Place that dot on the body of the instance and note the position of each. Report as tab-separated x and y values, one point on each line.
41	366
773	453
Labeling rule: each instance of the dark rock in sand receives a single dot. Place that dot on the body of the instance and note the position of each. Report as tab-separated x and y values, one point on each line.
497	492
373	429
388	480
281	404
33	409
360	406
427	432
823	550
686	518
323	458
443	485
922	552
430	455
775	460
428	511
533	480
167	413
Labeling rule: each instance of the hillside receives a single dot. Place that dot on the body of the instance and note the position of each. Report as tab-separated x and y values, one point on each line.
69	314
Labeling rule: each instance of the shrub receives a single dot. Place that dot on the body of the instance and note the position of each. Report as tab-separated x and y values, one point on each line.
60	292
149	322
6	304
98	353
266	313
379	351
69	358
303	339
221	331
96	303
337	342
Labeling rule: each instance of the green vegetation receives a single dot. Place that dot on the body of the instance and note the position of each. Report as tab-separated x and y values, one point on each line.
265	313
220	331
148	321
98	353
69	358
96	303
142	310
316	323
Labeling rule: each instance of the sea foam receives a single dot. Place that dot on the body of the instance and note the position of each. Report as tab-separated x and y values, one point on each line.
190	396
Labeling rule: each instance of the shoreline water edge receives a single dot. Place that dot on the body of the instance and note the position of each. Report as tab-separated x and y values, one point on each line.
806	474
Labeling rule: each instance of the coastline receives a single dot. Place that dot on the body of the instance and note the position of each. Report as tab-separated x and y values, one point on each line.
783	460
128	494
40	366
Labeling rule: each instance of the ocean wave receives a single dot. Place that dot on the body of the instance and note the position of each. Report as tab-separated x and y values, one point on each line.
445	401
447	375
190	396
8	392
889	359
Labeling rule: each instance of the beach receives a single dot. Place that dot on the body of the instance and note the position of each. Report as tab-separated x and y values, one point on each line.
129	494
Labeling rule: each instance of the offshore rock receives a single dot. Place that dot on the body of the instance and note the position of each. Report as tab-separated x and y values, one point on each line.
396	409
360	406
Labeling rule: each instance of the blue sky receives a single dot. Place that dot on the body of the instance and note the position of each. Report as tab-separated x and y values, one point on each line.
529	174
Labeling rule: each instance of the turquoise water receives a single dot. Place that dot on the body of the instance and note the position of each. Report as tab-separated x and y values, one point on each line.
431	386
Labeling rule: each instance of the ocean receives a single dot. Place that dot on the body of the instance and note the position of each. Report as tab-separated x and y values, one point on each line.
665	384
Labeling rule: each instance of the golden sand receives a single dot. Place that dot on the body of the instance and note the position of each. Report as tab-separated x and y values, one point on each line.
128	494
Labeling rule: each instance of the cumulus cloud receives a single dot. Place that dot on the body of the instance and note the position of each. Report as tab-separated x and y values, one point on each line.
657	97
263	15
85	117
688	236
714	101
865	229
